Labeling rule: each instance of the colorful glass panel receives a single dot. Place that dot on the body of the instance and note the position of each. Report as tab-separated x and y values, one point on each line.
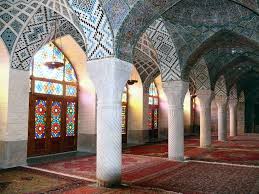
150	119
55	119
153	94
43	87
71	90
45	54
70	75
125	95
155	101
40	119
153	90
150	100
123	115
70	118
156	118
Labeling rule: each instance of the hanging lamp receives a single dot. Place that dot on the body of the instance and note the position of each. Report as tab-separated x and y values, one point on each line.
55	64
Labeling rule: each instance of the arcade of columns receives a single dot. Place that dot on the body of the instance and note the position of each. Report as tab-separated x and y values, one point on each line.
114	73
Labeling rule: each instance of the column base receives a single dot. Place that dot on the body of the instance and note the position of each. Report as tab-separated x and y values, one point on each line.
177	159
13	154
205	146
101	183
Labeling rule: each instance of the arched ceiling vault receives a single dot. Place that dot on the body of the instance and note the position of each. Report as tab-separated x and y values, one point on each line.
143	13
15	15
145	60
37	32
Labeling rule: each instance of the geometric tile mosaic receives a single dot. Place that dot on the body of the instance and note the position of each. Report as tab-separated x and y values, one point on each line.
116	11
167	55
15	14
241	97
95	26
220	87
200	75
145	60
37	30
233	92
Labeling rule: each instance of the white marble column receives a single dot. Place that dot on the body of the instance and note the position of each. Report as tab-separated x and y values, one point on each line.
175	92
222	117
109	76
205	97
232	104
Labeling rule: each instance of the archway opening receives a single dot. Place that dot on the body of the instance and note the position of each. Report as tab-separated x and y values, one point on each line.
53	104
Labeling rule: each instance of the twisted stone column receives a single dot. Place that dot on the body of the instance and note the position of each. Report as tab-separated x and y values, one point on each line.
109	77
222	117
205	97
175	92
232	104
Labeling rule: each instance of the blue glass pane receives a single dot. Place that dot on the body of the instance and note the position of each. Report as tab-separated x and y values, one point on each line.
71	90
43	87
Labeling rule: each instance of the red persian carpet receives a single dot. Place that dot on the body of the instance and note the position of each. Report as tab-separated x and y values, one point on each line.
206	178
134	167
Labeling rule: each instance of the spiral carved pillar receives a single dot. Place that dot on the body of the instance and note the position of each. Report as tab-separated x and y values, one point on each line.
222	117
205	97
175	92
232	104
109	77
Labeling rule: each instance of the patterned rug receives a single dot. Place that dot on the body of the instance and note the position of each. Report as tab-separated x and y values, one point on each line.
134	167
22	180
237	150
206	178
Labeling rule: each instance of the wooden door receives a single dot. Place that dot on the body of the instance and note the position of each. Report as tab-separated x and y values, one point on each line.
52	125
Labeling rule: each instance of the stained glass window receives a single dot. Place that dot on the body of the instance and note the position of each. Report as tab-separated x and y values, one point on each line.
43	87
124	101
71	90
55	119
50	80
153	94
70	118
70	73
153	101
125	94
40	119
123	115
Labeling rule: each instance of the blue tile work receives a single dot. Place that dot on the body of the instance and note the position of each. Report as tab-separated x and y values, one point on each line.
14	15
9	37
167	55
36	32
116	11
95	26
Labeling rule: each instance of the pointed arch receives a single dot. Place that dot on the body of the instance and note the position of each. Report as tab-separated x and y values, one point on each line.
35	34
167	55
96	27
220	87
201	75
17	15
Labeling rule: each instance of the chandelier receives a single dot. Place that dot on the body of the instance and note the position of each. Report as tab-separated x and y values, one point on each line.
54	64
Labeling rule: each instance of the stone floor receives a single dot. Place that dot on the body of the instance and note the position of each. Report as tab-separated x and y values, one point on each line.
230	167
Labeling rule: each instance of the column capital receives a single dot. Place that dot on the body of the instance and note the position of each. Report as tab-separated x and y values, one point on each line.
205	97
232	103
109	76
175	92
221	101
